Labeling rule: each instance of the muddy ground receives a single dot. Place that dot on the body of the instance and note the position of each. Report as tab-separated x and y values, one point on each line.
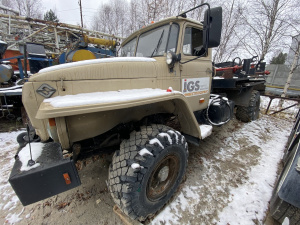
221	163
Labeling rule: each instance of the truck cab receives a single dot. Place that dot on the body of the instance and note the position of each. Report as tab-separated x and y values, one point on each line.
173	42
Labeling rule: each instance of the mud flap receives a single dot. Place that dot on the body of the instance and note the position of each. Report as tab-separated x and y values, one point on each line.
53	176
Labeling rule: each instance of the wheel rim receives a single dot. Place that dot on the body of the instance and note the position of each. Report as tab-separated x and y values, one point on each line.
163	177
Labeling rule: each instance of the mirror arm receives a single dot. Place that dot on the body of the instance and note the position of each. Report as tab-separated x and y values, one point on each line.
183	14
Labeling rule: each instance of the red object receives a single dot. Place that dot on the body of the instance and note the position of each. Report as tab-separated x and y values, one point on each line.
234	68
67	178
14	62
169	90
52	122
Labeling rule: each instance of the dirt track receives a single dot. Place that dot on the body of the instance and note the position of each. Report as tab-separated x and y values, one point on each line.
221	163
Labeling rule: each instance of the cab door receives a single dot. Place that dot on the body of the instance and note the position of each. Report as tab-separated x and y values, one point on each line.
195	74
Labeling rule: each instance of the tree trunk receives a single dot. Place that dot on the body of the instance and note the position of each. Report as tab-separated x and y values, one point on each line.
291	73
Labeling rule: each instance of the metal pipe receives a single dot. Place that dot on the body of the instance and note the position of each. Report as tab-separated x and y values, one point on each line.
28	36
58	25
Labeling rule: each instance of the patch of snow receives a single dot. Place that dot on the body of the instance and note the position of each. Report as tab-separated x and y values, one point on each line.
171	215
182	139
18	90
155	140
286	221
218	78
264	102
24	155
12	203
18	87
105	97
7	66
166	135
135	166
176	135
9	147
145	151
206	130
13	218
96	61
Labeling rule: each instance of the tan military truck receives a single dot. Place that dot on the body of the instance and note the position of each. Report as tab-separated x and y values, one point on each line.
148	102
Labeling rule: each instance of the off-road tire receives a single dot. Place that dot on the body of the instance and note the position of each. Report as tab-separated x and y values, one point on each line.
279	209
250	113
142	181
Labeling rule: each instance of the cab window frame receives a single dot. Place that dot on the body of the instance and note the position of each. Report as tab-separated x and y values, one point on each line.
167	42
191	54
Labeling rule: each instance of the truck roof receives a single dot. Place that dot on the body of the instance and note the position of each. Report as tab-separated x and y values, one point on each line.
159	23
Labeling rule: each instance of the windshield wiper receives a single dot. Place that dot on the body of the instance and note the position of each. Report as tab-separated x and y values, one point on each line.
158	44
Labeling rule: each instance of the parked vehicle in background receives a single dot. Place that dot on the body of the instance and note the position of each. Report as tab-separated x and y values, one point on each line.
285	201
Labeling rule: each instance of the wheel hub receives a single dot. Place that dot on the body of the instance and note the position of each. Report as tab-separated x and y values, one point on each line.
163	177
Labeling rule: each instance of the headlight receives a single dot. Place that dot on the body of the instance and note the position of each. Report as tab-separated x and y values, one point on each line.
170	58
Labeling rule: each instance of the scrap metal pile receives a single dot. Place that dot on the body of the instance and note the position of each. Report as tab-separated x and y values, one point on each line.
54	36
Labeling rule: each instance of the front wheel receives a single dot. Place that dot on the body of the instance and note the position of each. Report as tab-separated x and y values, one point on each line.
147	170
250	113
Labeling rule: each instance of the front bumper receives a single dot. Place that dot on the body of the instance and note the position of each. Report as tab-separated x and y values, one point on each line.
53	176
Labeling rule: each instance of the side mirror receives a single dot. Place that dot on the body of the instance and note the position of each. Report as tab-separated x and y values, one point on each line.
212	27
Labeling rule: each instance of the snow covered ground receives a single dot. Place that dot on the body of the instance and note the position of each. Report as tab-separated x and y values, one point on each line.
238	175
230	178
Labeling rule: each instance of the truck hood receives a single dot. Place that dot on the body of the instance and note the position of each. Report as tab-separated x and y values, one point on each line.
97	69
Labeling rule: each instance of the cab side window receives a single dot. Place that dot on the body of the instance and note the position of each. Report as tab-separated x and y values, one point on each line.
193	42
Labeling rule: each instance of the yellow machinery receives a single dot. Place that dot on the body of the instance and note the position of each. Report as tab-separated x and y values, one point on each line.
81	51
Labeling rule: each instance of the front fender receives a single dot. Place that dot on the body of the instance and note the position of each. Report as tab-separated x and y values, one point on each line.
91	117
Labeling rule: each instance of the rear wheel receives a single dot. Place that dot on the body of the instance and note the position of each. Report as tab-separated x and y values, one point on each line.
250	113
147	170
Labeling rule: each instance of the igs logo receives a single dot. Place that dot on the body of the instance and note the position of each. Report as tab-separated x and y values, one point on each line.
195	86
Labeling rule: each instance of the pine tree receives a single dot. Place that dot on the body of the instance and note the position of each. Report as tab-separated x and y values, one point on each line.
51	16
280	59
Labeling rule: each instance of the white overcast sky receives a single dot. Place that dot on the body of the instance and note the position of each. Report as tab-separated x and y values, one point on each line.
68	10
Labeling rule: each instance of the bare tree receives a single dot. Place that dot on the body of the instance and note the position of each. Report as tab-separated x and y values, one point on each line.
293	57
112	18
6	3
294	64
29	8
265	24
233	12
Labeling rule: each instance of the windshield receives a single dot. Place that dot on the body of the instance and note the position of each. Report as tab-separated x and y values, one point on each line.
128	49
154	42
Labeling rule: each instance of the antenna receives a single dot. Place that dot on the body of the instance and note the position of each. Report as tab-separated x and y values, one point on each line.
31	162
81	13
